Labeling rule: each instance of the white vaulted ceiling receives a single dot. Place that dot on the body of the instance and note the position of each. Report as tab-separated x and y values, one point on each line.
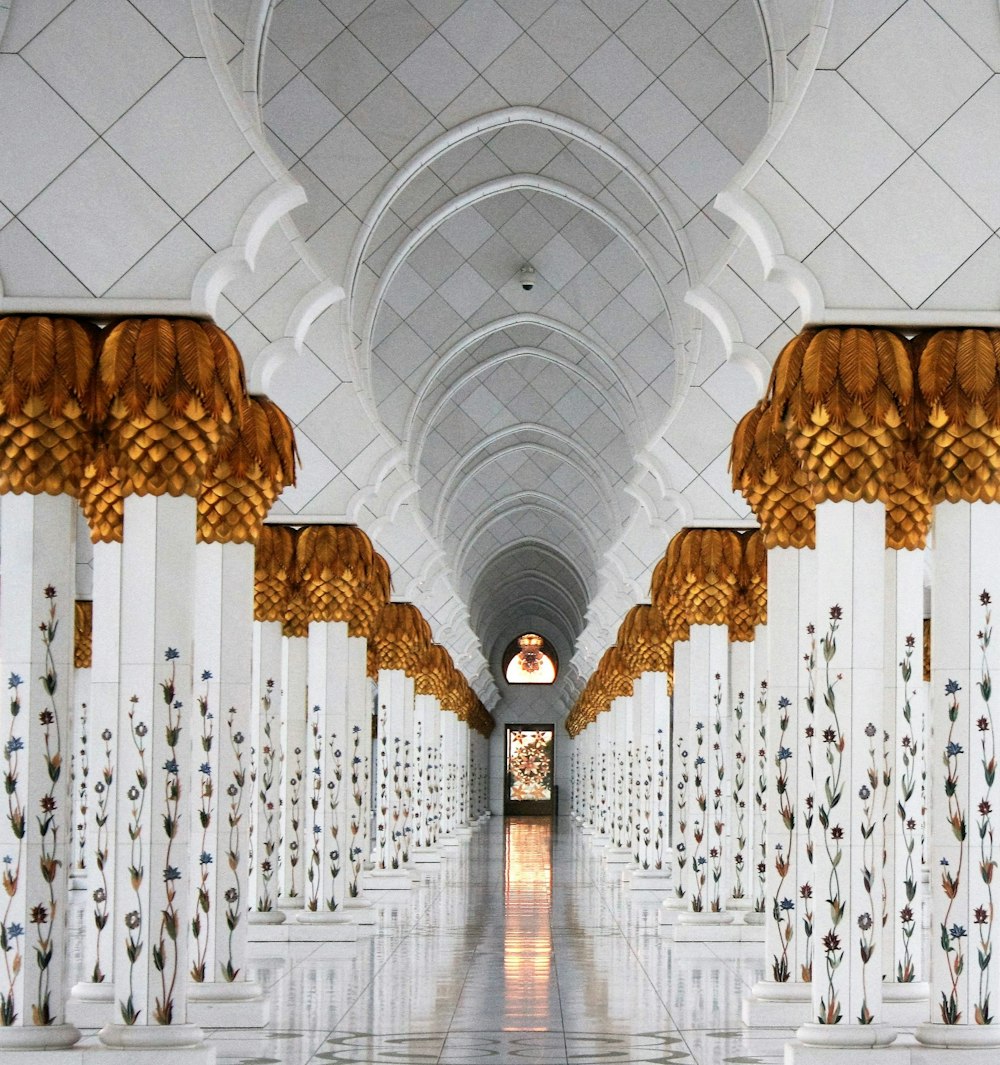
448	143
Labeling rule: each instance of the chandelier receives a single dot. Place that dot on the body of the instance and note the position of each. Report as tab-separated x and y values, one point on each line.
530	652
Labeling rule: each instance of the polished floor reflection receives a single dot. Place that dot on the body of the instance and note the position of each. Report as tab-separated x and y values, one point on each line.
518	949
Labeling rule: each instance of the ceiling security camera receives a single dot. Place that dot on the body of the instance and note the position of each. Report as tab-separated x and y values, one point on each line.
527	276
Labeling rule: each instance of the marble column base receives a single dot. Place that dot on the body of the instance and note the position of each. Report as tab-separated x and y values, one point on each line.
825	1044
241	1004
290	904
908	1005
754	917
149	1045
91	1005
261	917
298	931
387	880
650	880
617	856
35	1038
449	843
774	1005
725	928
361	911
670	908
425	856
964	1041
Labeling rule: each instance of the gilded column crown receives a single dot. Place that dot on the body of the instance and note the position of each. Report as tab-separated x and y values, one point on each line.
847	400
83	633
665	594
645	642
247	475
343	577
959	381
170	393
371	661
749	605
402	637
47	368
616	677
274	572
772	479
434	672
455	695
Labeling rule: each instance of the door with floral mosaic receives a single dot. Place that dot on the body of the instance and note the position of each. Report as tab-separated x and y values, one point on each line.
529	786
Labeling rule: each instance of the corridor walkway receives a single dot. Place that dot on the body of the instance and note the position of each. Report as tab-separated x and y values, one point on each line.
518	950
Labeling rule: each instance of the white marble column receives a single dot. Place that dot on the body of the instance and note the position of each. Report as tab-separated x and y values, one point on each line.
847	966
682	750
619	853
905	990
327	825
220	994
654	790
294	742
391	703
38	551
83	744
358	753
93	997
155	855
963	797
264	778
426	726
784	995
739	771
758	770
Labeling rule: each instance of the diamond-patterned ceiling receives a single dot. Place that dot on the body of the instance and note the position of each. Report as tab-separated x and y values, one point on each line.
455	142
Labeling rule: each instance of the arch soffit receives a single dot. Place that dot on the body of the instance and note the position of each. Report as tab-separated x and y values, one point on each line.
605	357
493	122
592	477
558	568
511	183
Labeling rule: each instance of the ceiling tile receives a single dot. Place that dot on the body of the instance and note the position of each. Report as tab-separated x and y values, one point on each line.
466	291
974	284
91	31
614	12
436	11
618	263
481	30
29	268
837	149
435	73
477	99
300	28
166	269
913	95
185	161
24	21
558	262
526	12
434	259
345	71
570	100
524	74
527	231
702	78
588	292
613	76
41	135
587	233
406	291
738	36
390	117
391	30
658	34
300	114
619	323
345	159
977	25
740	121
498	209
702	13
914	211
657	121
525	148
466	230
569	32
848	281
964	152
497	261
701	165
99	218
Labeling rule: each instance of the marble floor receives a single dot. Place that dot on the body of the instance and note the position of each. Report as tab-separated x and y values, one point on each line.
517	949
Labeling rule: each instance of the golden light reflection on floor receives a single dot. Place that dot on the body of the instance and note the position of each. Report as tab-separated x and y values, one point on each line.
529	979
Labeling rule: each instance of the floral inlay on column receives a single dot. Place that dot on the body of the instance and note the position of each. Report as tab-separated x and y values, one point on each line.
680	846
833	834
983	914
11	932
357	813
165	952
661	788
233	894
760	800
406	803
268	840
136	794
699	827
808	804
315	799
333	805
203	899
951	876
81	778
102	843
295	821
782	904
739	797
869	859
396	835
908	812
718	823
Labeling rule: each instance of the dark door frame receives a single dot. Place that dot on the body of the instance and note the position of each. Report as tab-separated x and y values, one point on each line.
528	807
